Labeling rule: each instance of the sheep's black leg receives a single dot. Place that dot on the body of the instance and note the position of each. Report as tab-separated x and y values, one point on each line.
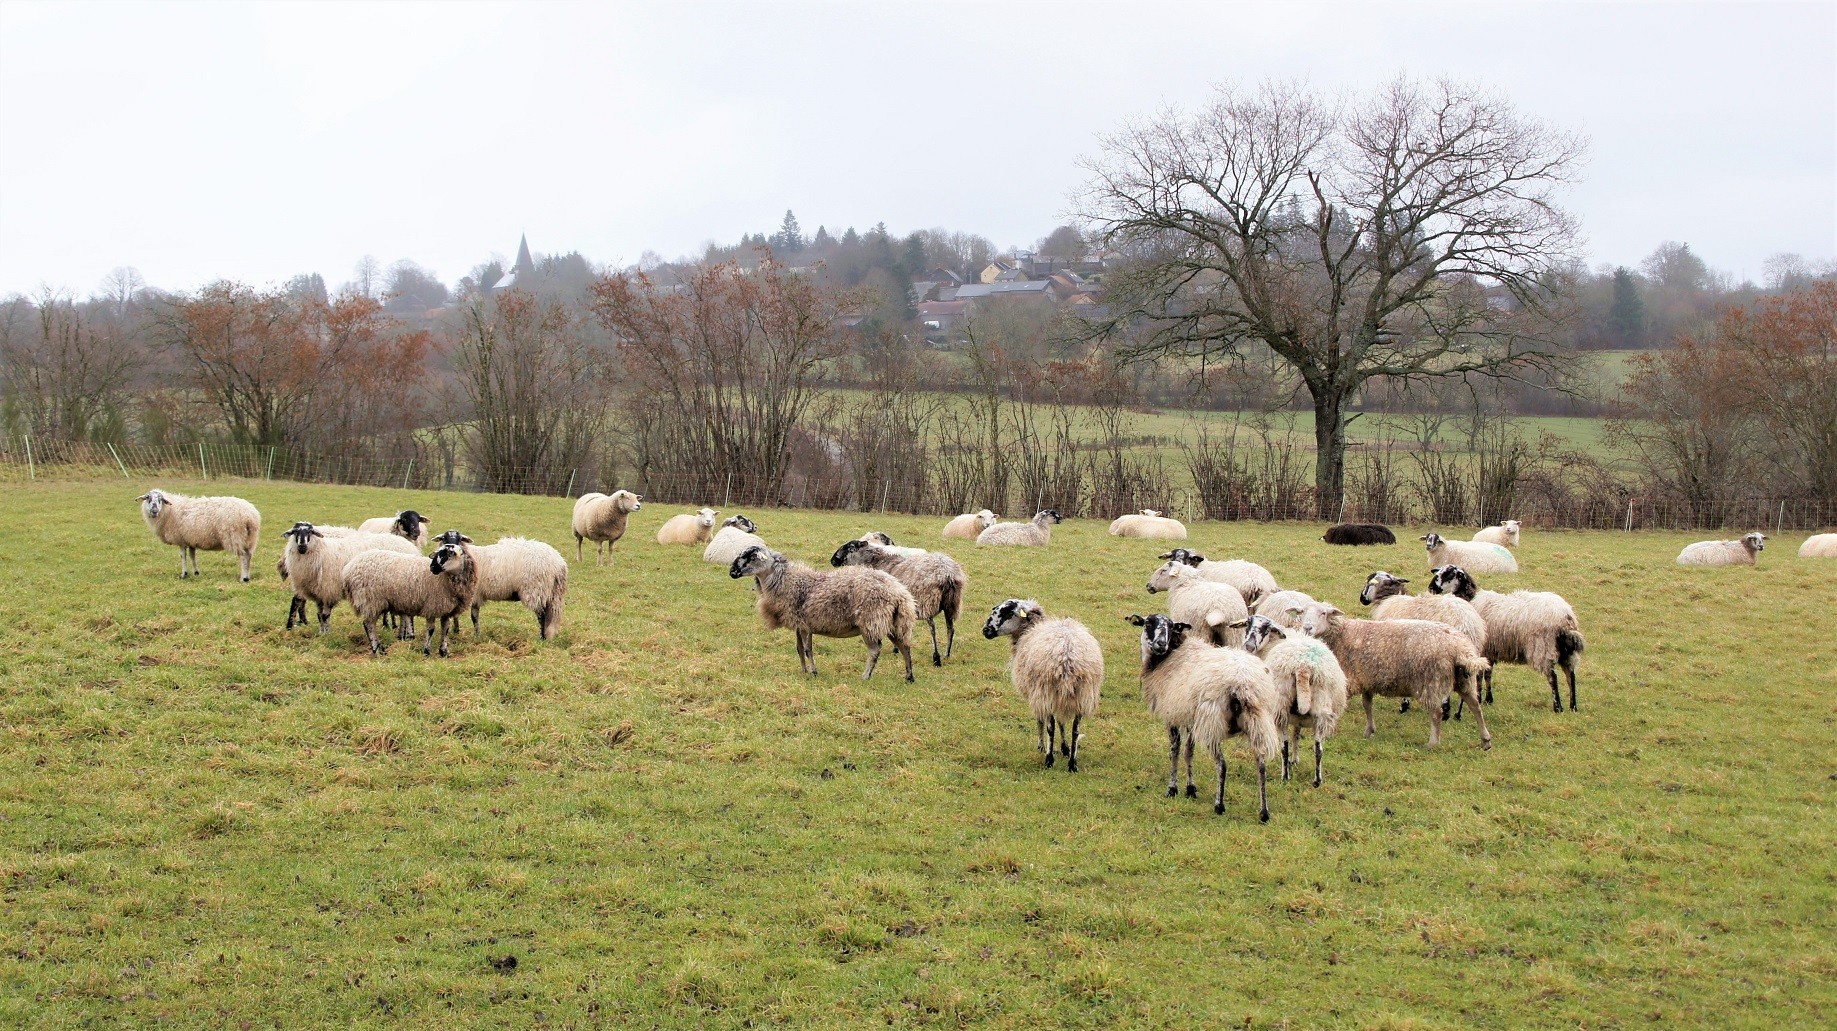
1370	727
904	647
1262	789
950	634
1405	707
1071	762
1173	762
325	617
448	626
475	620
1317	751
1556	694
1218	800
1569	671
1192	789
937	657
1457	712
1285	759
1039	731
297	605
1489	687
1052	737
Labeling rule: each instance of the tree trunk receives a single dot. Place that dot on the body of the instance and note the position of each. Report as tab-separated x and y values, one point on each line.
1330	451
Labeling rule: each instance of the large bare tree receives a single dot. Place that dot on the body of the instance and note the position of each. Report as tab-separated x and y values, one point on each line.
1409	234
63	372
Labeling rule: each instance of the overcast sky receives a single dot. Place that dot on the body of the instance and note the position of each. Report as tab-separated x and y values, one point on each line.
257	141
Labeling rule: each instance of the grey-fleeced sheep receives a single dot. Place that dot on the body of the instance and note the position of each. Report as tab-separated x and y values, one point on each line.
1718	553
313	560
213	524
1819	545
1033	534
1208	606
601	518
1207	694
1057	668
970	524
1251	580
1389	598
1505	534
407	524
1310	686
1402	658
877	537
1283	608
437	588
846	602
1149	523
935	579
1479	556
688	528
737	533
1529	628
519	569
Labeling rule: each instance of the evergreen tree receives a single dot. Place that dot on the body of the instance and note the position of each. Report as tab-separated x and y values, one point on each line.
790	235
1627	319
822	238
851	238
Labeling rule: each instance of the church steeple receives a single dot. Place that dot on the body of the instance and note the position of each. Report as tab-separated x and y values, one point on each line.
524	263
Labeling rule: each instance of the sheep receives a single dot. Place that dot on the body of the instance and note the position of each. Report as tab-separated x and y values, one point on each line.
407	524
1251	580
519	569
1505	534
1057	666
313	560
1031	534
1819	545
1480	557
969	525
214	524
1402	658
1391	600
600	518
1359	533
737	533
1720	553
688	528
1530	628
848	602
1148	524
1209	694
877	537
935	579
1283	608
437	588
1310	686
1206	605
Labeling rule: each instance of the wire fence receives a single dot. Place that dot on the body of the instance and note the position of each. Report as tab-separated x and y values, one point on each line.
25	459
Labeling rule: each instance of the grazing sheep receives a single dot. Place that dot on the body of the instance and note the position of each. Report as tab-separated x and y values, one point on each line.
1251	580
970	524
1479	557
1717	553
1310	686
1210	607
312	563
1402	658
519	569
1148	524
1033	534
737	533
1505	534
1057	667
1209	694
935	579
407	524
214	524
1530	628
437	588
848	602
1283	608
876	537
688	528
1819	545
1390	599
1359	533
600	518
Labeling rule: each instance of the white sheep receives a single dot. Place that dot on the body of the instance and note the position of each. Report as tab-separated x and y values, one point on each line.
1720	553
1402	658
1251	580
1283	608
407	524
877	537
1149	523
519	569
1505	534
437	588
1529	628
688	528
1479	557
1819	545
737	533
214	524
1057	667
601	518
1389	598
1310	686
970	524
313	560
1032	534
1209	607
936	581
1208	694
847	602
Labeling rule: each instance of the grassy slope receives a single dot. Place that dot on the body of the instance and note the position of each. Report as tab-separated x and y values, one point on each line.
207	820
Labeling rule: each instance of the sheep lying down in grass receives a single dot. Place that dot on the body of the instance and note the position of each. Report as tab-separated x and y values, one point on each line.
852	601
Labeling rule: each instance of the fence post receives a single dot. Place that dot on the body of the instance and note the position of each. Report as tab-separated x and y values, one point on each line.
118	465
1629	526
270	462
406	472
1781	524
31	468
202	469
728	500
884	487
571	474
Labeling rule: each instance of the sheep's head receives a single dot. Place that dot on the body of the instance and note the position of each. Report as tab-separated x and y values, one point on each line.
1184	556
741	523
1010	616
451	552
754	561
1164	578
1755	541
877	537
627	502
1431	541
1320	618
985	519
1259	633
409	523
705	517
151	502
850	553
1151	513
1381	585
1161	635
1048	515
1452	580
1510	526
301	535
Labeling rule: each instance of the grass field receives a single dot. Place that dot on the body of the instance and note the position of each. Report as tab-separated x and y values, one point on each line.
206	821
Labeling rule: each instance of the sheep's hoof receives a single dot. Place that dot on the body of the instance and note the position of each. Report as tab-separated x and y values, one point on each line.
1192	791
1071	766
1317	782
1486	744
1049	758
1559	707
245	579
936	659
1262	817
1405	707
1218	809
1173	792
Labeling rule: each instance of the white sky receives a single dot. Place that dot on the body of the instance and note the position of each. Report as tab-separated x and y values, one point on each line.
255	142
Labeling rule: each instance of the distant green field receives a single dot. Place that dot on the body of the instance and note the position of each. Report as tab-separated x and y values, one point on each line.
206	821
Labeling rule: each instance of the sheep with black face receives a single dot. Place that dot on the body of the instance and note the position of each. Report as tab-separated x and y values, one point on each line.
1057	667
1251	580
407	524
313	560
847	602
1538	629
935	579
436	588
737	533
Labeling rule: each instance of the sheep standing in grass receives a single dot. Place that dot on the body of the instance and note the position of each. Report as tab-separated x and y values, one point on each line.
313	560
1359	533
1057	667
1207	694
1148	524
737	533
847	602
1251	580
1209	607
936	581
1310	686
1402	658
519	569
407	524
1283	608
1530	628
1819	545
1716	553
1479	557
437	588
1505	534
214	524
600	518
688	528
1033	534
970	524
877	537
1389	598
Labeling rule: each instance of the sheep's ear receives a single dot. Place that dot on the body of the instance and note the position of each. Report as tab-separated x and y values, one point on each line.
1400	579
463	539
1183	626
425	520
1134	619
143	497
1239	624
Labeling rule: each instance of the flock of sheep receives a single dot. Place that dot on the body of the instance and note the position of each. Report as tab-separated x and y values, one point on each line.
1235	655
